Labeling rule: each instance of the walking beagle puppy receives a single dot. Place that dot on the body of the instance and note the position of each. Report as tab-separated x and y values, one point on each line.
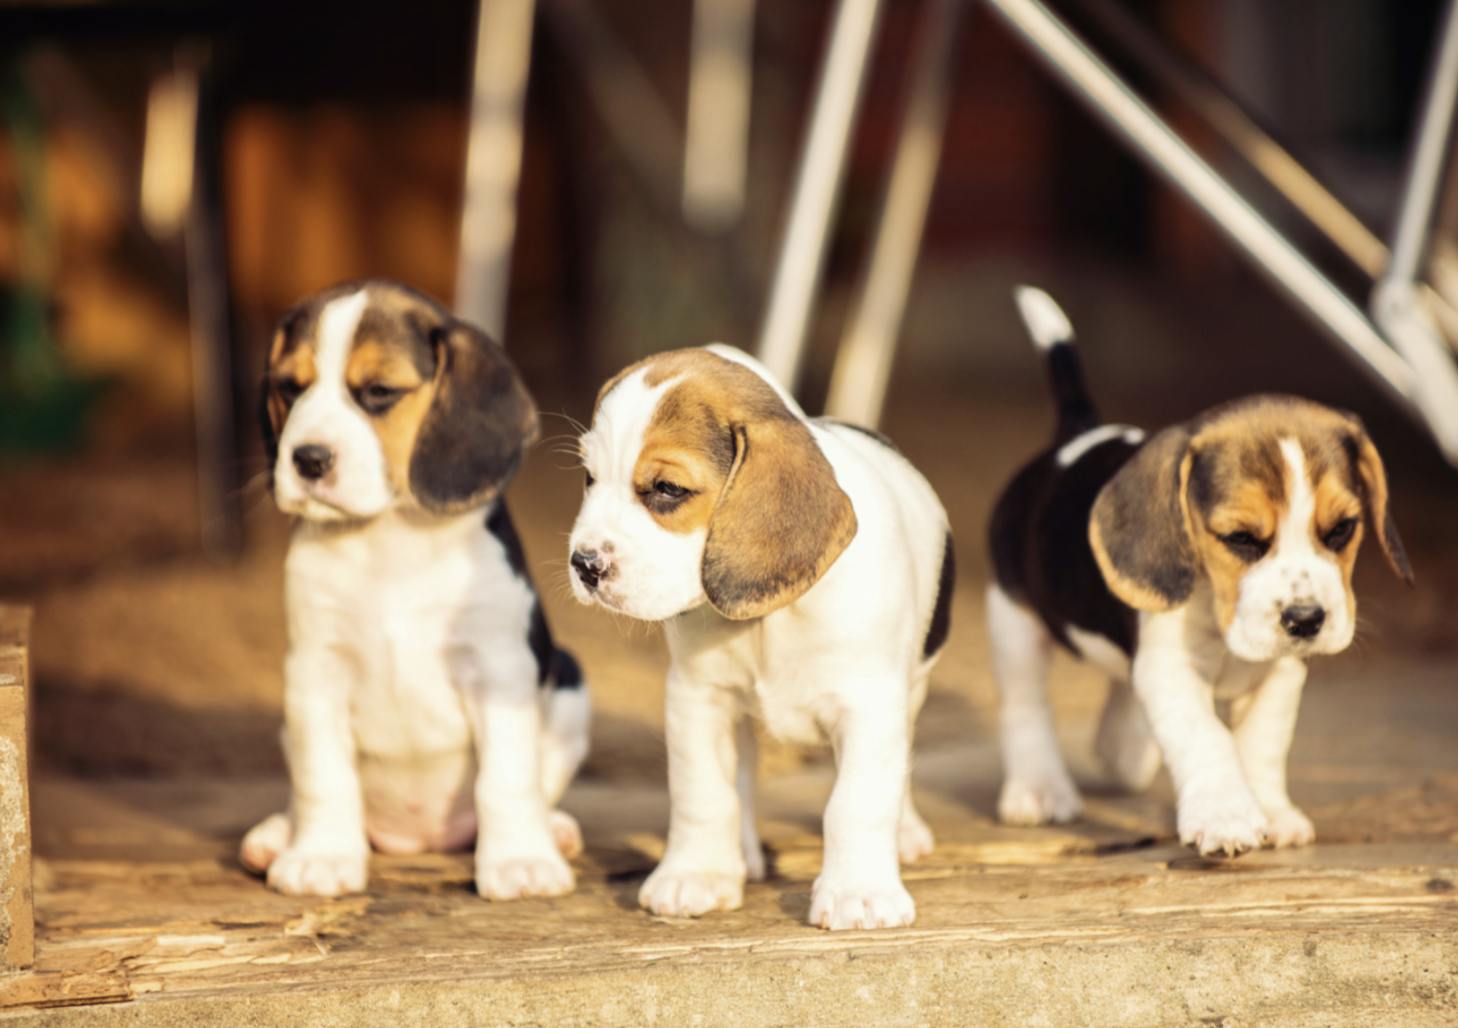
803	573
1206	563
424	701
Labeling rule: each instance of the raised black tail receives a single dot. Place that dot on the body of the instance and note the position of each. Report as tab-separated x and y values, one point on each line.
1053	335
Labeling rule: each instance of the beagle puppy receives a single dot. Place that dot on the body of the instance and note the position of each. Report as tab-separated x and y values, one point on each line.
803	574
425	703
1204	564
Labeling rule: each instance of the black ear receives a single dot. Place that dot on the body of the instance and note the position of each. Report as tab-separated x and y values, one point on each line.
480	421
1372	484
1138	527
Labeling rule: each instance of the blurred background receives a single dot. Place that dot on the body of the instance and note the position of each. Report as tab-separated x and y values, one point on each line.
174	176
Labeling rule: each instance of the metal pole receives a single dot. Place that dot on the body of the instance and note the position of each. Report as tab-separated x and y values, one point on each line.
863	361
1429	159
1149	137
1257	146
493	161
817	185
1396	303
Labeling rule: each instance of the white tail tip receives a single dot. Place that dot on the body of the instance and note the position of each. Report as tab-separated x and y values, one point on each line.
1046	322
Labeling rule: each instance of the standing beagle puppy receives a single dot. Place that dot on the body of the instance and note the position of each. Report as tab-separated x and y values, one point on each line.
1204	564
803	574
425	704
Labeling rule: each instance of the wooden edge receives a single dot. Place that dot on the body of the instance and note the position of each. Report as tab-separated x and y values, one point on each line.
17	913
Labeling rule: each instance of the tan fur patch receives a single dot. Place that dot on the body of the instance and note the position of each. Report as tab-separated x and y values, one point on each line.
376	361
776	518
1240	485
1232	478
286	363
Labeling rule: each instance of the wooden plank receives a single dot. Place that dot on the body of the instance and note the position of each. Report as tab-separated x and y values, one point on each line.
17	917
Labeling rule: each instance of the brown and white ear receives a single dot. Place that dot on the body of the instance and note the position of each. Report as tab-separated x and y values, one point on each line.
481	419
1139	530
781	521
1372	479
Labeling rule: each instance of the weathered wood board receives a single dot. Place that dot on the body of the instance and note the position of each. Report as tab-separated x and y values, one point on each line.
146	918
17	922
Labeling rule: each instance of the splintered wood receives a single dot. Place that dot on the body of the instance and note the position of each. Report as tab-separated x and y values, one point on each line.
135	914
17	921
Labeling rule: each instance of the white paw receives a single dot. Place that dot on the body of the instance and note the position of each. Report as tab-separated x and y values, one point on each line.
1224	820
1289	827
301	871
264	842
566	833
669	892
1030	801
914	839
512	878
840	905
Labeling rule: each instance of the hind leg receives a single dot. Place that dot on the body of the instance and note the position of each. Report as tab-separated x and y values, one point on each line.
744	777
1036	787
1125	744
566	727
914	839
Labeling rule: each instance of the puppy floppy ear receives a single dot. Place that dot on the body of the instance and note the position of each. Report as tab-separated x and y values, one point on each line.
1139	527
780	523
481	419
1372	486
268	423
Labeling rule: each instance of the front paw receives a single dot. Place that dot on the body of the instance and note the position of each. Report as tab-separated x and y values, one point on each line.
305	871
838	905
509	878
1289	827
1049	799
1223	820
566	833
672	892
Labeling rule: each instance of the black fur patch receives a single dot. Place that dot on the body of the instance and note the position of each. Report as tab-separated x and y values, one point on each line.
472	438
555	667
941	620
1041	556
880	437
1140	520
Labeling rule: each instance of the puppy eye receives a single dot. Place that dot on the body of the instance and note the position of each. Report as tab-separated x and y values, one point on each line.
588	480
669	490
1245	546
289	390
376	398
1339	534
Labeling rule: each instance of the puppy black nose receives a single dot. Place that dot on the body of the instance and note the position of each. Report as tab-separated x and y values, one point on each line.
1302	620
588	566
313	461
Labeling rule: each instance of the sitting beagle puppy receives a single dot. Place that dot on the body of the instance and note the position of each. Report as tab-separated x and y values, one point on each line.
425	704
803	574
1206	563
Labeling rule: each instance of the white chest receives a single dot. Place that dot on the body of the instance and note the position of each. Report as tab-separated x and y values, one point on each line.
770	680
412	609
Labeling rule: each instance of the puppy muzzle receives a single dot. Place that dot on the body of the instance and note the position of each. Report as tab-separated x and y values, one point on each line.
590	566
